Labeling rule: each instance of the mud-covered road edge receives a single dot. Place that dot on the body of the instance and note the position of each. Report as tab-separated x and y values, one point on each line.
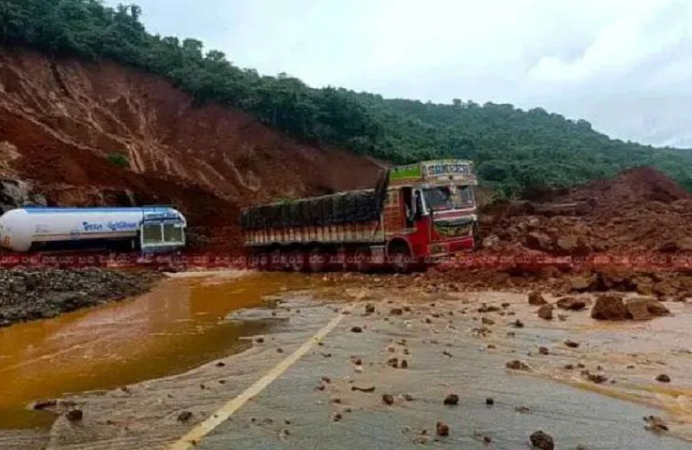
33	294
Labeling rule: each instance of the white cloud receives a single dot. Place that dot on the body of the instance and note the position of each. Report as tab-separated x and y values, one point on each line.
621	64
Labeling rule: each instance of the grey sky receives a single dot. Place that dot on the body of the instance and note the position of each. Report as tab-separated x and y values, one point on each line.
624	65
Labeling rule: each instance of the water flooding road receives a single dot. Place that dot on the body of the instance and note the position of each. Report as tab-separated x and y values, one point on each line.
176	327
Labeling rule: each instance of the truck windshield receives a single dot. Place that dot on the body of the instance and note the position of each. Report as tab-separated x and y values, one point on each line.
444	197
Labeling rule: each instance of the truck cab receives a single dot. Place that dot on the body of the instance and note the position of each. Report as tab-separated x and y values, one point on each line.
431	209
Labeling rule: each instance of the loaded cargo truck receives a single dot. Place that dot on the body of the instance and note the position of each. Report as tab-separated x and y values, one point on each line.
416	214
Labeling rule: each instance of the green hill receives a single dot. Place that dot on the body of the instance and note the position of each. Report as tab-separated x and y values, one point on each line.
514	150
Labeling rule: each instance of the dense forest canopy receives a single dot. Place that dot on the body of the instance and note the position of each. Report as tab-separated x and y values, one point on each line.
514	150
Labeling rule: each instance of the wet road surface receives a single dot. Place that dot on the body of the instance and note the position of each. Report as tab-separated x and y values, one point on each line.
175	328
447	349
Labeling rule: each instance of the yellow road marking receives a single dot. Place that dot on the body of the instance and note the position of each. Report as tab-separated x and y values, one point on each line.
195	435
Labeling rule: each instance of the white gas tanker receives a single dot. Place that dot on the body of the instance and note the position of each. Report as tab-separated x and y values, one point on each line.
152	229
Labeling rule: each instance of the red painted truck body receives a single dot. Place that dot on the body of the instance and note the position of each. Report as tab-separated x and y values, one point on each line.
417	214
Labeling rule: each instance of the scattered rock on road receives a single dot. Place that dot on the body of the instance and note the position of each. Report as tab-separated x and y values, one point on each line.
536	299
74	415
518	365
571	344
356	330
545	312
542	440
655	423
387	399
451	399
442	429
571	303
663	378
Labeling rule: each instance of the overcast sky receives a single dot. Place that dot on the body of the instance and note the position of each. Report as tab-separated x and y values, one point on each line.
624	65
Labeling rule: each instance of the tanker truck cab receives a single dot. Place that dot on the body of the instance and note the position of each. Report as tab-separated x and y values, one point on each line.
162	230
153	229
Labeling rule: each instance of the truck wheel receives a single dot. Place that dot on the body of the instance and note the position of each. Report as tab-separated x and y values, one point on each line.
277	260
317	260
296	261
400	258
361	260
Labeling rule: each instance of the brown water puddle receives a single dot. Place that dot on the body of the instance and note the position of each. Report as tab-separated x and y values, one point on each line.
177	326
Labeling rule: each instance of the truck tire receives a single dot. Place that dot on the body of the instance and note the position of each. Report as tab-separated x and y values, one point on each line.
317	260
399	257
296	261
361	260
277	260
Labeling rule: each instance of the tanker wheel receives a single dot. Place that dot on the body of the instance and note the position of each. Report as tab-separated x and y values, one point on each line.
317	260
361	260
400	258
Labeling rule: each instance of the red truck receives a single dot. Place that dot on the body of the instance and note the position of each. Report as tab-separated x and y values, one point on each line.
416	214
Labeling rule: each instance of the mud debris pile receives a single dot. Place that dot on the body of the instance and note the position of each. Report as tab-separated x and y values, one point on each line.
640	210
36	294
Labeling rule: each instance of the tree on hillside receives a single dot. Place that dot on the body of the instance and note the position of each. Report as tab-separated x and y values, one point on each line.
513	149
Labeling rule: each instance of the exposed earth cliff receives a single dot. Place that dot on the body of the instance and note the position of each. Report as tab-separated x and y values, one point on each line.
81	134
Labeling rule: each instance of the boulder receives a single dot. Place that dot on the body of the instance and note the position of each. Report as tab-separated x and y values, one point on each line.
571	303
643	285
645	308
545	312
538	241
536	299
683	244
664	288
609	307
542	440
567	244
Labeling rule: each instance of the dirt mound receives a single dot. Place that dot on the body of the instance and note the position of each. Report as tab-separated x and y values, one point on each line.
641	210
631	188
63	123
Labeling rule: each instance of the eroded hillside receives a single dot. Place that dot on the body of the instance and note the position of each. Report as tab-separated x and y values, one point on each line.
62	123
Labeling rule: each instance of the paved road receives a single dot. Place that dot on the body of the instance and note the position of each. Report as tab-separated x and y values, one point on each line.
572	416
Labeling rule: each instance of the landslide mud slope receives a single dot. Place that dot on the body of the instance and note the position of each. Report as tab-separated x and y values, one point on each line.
60	119
641	210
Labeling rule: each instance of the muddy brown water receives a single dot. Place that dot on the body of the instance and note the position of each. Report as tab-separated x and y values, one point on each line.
176	327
